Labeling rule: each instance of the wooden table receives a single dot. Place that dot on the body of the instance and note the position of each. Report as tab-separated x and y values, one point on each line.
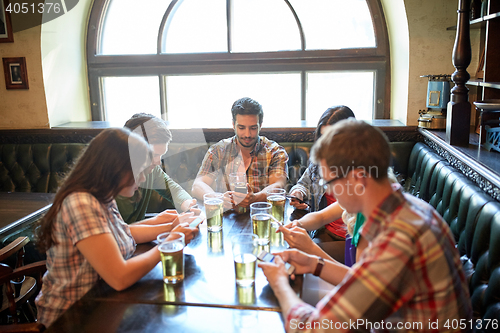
102	316
206	298
18	209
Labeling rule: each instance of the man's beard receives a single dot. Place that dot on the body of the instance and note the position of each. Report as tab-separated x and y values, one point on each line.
250	145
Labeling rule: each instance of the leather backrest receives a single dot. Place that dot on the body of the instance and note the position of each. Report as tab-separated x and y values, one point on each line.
298	160
24	167
436	184
62	158
474	220
400	154
420	168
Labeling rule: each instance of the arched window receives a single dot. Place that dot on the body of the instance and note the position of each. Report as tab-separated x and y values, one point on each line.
189	60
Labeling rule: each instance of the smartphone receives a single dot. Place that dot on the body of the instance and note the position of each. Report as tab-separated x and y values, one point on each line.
240	188
268	257
196	222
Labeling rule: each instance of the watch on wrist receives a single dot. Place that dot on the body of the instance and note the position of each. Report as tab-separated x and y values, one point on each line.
319	266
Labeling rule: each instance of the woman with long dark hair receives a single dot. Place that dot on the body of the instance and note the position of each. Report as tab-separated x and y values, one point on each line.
326	225
83	233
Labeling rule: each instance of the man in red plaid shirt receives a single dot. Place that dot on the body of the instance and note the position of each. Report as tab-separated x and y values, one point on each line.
409	278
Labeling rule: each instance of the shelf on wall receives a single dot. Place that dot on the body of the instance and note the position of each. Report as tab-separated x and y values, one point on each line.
486	163
477	83
479	22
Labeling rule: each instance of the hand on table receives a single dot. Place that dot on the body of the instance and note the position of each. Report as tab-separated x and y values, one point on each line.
167	216
191	206
184	218
188	232
303	262
275	272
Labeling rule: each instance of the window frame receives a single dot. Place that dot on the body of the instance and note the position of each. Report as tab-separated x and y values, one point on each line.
376	59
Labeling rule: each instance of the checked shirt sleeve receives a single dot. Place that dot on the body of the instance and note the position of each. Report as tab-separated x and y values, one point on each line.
370	292
208	167
278	163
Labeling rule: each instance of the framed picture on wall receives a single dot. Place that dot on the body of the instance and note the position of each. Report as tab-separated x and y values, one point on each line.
16	74
6	34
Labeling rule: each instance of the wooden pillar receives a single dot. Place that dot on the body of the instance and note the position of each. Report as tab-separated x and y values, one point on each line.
458	114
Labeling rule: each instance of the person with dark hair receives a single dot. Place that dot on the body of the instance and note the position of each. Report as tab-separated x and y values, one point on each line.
409	275
326	224
262	160
154	130
83	233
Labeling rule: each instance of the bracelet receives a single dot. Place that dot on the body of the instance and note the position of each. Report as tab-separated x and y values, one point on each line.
319	266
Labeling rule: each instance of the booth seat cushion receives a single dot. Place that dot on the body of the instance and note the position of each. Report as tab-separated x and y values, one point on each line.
41	167
474	220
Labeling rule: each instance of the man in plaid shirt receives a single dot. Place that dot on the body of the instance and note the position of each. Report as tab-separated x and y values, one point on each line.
263	161
409	277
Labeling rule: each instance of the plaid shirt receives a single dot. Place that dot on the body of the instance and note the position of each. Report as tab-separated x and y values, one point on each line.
225	157
69	275
410	274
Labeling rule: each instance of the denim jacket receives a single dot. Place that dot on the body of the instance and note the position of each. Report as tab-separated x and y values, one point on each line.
308	184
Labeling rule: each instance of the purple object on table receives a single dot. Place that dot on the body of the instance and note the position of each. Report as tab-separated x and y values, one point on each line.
350	252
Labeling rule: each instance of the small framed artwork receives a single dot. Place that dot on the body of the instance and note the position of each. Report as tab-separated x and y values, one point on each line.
6	35
16	74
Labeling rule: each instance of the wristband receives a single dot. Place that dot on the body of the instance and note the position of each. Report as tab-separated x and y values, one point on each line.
319	266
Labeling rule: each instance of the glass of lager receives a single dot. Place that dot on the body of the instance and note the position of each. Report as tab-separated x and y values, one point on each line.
215	242
171	247
245	257
238	184
214	208
260	212
277	198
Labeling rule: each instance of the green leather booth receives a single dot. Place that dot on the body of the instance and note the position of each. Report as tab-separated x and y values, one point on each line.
40	167
474	219
35	167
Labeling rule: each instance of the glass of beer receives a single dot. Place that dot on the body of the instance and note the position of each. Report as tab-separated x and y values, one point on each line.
215	242
260	212
171	247
277	198
238	184
214	208
245	257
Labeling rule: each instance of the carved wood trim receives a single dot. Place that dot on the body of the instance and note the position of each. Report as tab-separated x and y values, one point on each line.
394	134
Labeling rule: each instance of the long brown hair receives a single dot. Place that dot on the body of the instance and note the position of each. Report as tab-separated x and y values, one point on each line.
106	167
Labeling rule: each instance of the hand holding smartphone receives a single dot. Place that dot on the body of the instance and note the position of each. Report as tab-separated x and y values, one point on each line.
267	257
299	200
196	222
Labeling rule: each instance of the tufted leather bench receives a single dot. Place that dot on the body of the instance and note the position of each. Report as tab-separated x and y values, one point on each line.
474	219
35	167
